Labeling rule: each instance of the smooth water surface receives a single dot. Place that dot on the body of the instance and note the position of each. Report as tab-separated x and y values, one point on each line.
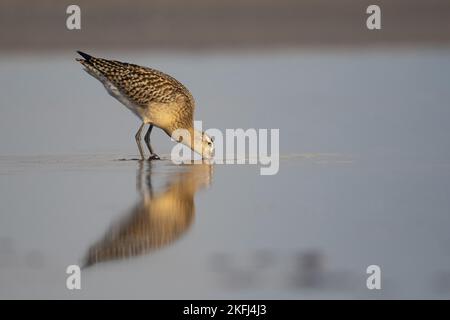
364	179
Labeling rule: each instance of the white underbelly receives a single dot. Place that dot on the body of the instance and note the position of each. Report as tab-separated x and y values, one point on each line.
116	93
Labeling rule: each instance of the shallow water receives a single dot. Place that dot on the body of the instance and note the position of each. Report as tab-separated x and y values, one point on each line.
364	179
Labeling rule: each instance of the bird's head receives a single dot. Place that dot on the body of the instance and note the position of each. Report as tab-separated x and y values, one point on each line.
204	145
197	140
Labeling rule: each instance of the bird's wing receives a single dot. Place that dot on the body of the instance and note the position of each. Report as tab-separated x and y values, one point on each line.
141	84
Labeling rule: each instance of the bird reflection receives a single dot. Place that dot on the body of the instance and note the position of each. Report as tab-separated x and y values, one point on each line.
158	219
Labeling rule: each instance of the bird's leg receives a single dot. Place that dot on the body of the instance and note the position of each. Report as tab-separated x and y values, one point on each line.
138	140
153	156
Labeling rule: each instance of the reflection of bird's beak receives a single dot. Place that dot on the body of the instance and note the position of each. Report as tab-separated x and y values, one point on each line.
208	159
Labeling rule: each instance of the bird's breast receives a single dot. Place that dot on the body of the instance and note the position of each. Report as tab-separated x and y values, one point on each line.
162	115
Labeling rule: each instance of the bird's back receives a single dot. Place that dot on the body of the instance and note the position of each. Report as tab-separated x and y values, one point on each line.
142	85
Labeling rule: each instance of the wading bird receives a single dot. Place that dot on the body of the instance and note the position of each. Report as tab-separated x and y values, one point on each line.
155	97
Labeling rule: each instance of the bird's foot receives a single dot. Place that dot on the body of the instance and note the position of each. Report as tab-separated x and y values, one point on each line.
154	157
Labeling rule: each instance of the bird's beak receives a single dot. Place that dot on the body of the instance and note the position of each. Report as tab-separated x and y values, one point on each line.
209	157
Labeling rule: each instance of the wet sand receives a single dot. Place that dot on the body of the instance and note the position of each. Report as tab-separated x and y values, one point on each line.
220	25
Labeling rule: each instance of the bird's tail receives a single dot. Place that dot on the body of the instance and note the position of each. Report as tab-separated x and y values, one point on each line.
87	62
84	55
99	66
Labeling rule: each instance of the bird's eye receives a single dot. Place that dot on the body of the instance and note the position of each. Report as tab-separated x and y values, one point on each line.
209	143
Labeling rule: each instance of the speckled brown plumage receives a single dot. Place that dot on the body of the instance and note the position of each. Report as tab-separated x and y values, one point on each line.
142	84
146	87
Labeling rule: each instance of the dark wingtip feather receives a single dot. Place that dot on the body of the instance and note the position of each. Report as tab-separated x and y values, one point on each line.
84	55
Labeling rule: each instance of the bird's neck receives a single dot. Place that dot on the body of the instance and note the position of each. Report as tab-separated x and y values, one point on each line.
190	137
